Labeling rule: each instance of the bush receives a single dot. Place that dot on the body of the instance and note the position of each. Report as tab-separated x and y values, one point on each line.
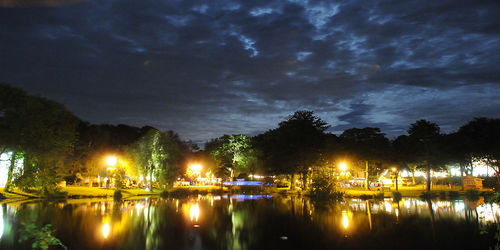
379	196
396	196
119	177
42	238
442	194
117	196
179	193
218	191
365	197
52	192
489	182
164	194
453	180
494	198
453	194
472	195
420	180
322	188
428	195
487	194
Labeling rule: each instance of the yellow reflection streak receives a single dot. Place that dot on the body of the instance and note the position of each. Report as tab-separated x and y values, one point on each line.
345	219
194	212
105	230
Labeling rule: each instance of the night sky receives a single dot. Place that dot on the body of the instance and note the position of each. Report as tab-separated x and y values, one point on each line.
204	69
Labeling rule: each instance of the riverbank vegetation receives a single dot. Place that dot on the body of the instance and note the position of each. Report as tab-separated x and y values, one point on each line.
43	145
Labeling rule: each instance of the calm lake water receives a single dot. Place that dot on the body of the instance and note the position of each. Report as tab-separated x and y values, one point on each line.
256	222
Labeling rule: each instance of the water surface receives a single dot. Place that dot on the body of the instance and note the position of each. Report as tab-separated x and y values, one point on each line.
256	222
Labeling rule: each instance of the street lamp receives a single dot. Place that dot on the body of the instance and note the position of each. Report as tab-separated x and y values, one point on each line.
111	162
195	170
343	166
395	170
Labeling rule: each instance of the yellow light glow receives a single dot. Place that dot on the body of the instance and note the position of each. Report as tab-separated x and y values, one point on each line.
194	212
345	219
343	167
394	169
195	167
111	160
105	230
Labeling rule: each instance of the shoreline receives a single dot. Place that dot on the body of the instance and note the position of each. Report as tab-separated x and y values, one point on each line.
78	192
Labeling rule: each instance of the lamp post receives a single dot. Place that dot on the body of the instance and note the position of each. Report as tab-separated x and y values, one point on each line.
195	170
395	170
343	173
111	162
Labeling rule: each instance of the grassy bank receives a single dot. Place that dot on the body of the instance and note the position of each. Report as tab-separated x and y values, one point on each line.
17	194
412	191
73	192
78	191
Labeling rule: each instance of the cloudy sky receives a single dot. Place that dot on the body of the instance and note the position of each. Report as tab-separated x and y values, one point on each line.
204	69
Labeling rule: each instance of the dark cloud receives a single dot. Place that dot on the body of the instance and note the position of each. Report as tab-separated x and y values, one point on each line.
206	68
35	3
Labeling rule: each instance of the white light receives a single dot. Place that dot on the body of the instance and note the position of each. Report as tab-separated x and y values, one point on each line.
105	230
196	167
4	167
1	221
343	167
194	212
111	160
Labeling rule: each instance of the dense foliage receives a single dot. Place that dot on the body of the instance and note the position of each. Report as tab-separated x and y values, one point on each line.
55	145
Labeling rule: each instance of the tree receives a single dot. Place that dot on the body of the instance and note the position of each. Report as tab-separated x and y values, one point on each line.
404	155
95	142
234	154
368	145
294	146
480	139
425	140
43	131
158	155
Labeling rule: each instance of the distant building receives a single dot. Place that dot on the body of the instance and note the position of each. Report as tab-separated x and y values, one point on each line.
4	167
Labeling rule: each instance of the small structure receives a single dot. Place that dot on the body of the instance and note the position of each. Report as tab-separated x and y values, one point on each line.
471	182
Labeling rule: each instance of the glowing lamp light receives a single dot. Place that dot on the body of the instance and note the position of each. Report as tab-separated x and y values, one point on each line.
343	167
196	167
394	169
111	160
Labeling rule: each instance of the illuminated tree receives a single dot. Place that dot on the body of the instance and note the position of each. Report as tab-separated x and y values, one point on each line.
233	154
158	155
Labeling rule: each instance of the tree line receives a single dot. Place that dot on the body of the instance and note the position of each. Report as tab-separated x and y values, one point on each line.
53	144
300	147
56	145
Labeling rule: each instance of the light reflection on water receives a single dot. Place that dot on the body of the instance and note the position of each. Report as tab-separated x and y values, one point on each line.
229	221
